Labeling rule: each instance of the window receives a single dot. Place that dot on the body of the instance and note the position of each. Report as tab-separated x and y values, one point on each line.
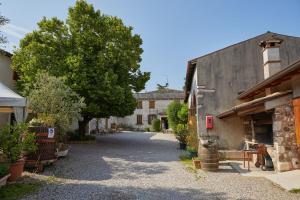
151	104
140	105
151	118
139	119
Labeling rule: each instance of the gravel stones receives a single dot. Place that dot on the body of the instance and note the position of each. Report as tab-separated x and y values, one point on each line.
144	166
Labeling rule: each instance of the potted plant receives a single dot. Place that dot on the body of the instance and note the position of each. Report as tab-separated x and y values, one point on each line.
181	133
15	141
4	173
197	162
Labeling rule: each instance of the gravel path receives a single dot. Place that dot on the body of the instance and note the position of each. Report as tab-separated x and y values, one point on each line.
144	166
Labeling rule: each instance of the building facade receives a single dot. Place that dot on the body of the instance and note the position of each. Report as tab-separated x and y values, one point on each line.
8	78
150	105
226	85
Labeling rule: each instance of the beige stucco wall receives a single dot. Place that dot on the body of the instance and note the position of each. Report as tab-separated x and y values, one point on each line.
6	77
6	73
130	121
221	75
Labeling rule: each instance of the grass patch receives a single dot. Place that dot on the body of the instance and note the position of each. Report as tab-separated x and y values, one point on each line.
14	191
295	190
186	160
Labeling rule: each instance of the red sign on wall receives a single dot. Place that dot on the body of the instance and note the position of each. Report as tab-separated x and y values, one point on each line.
209	122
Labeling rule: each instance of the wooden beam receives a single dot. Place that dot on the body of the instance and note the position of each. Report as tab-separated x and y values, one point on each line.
6	110
253	110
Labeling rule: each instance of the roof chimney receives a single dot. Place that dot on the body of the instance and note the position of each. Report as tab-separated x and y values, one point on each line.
271	57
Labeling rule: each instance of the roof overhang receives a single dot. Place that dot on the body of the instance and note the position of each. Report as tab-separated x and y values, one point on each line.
253	103
5	53
190	70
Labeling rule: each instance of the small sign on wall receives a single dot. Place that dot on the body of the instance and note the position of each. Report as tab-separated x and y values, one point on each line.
51	132
209	122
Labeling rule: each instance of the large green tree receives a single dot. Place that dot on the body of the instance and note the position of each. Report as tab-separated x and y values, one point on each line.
3	21
96	55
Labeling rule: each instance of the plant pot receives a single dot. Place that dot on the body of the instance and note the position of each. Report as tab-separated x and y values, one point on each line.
182	145
3	180
16	170
197	164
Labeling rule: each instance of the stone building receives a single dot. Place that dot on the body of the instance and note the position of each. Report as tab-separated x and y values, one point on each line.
150	105
250	90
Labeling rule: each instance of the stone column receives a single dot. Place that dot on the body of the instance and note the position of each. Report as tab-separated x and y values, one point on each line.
285	155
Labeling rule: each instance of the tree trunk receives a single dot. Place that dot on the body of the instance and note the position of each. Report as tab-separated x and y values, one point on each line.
97	125
83	129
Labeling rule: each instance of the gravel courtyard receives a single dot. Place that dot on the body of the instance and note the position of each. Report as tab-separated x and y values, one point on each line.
144	166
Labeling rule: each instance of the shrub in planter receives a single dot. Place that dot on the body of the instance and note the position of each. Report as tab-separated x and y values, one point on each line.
155	125
181	134
192	151
14	142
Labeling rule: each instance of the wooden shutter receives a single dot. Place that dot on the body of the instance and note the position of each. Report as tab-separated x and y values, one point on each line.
151	104
139	119
140	105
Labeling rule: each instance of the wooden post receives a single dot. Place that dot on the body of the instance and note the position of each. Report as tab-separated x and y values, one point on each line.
252	130
296	104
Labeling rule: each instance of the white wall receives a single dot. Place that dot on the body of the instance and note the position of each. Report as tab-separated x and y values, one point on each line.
130	121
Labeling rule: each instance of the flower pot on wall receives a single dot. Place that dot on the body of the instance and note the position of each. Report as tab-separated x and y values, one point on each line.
16	169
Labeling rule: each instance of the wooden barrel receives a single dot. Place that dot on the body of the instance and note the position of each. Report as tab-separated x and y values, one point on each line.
46	146
209	157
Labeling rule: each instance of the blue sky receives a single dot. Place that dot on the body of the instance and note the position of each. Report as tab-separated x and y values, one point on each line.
173	31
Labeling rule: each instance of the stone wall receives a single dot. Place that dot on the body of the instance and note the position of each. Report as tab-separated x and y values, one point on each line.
285	152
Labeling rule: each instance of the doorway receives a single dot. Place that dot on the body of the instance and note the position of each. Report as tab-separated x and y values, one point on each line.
164	123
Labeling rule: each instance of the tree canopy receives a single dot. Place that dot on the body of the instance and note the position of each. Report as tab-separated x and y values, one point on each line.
96	55
54	102
3	21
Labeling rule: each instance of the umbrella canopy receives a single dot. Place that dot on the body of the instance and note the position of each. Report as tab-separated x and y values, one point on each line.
9	98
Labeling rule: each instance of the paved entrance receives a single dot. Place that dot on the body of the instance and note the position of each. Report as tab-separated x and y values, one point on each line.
145	166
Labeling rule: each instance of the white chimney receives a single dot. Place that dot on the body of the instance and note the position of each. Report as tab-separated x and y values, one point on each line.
271	57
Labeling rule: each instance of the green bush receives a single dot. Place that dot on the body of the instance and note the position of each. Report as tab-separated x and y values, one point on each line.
147	129
172	113
55	104
181	133
183	114
4	169
16	139
155	125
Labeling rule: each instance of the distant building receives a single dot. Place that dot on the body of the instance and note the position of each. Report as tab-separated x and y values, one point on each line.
250	90
150	105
